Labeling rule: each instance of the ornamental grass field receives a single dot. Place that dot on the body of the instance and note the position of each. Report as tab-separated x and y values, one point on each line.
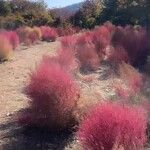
75	89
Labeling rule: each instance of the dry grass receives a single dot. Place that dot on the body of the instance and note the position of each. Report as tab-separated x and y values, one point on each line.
14	73
5	48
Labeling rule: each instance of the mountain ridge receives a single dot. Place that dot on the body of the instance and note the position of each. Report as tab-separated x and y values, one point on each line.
67	11
74	7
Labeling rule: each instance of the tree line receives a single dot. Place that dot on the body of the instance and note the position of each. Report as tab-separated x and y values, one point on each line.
119	12
16	13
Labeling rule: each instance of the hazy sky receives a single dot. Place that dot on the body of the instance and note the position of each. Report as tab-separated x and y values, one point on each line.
61	3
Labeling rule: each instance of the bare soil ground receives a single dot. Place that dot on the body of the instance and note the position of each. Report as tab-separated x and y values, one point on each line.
13	78
14	73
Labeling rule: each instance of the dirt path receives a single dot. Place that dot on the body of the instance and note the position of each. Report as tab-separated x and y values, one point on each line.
13	77
14	73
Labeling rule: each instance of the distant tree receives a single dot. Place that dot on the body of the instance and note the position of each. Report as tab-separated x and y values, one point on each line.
126	12
110	10
23	6
4	8
87	16
33	12
24	12
61	17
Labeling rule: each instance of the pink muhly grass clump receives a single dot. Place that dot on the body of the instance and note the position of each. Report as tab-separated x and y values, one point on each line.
117	54
52	35
13	39
66	55
125	94
134	41
24	34
53	95
143	38
130	43
91	47
48	34
113	126
33	37
85	38
135	83
131	76
28	35
88	57
103	31
101	39
118	37
37	32
68	42
5	47
60	32
65	58
86	53
109	26
122	93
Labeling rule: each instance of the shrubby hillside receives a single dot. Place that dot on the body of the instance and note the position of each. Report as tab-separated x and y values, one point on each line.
16	13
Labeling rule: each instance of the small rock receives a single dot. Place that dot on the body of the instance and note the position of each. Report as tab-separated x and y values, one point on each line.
8	114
